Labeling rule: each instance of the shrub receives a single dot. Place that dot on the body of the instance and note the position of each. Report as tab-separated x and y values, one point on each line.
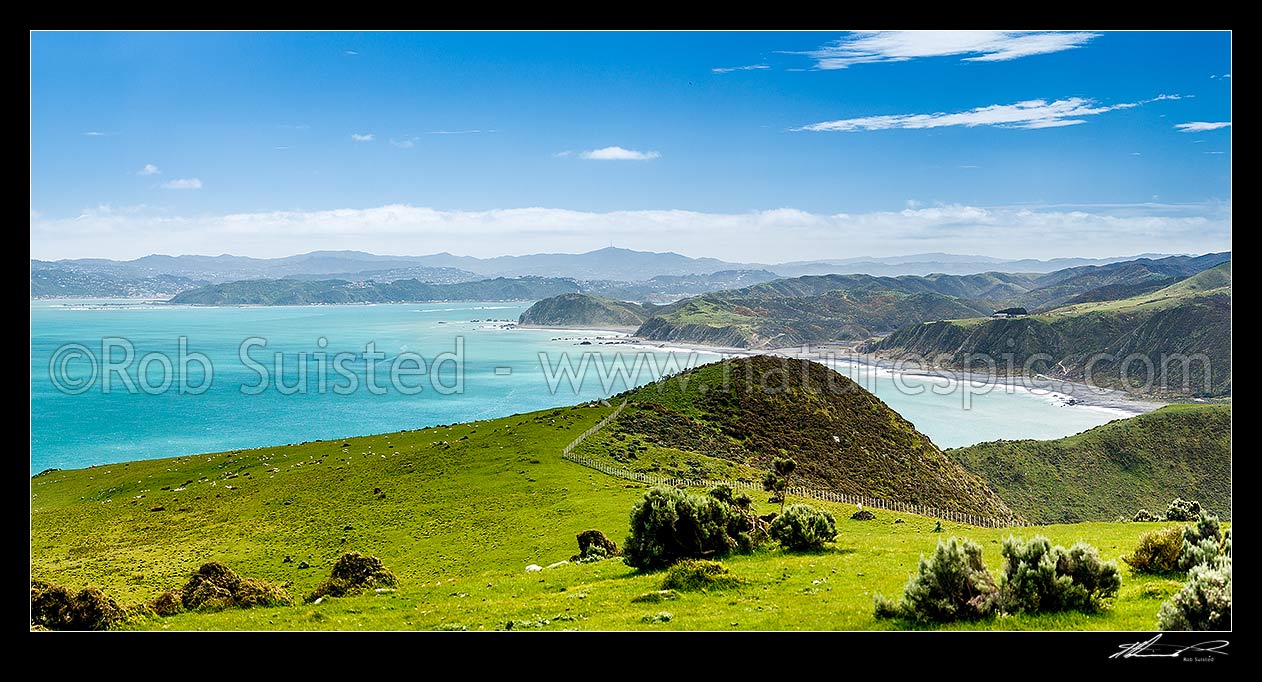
1226	548
1183	510
952	584
669	524
594	545
1204	602
803	527
776	481
1158	551
166	604
215	587
1201	542
698	574
354	573
1143	515
863	515
57	608
1039	577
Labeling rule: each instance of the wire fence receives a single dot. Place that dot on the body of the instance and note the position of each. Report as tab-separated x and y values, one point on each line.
567	453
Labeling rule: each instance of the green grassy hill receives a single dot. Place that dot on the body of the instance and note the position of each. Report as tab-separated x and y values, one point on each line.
1115	469
584	310
822	308
461	511
1191	318
748	411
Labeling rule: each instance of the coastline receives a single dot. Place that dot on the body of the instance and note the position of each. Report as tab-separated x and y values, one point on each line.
1064	392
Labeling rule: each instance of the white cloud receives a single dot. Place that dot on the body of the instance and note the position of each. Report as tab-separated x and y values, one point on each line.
471	131
765	236
149	169
1213	152
1201	126
870	47
363	137
350	53
616	153
405	142
1225	75
36	215
1031	114
748	67
183	183
94	133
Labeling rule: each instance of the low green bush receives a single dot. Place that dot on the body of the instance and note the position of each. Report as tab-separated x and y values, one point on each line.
692	575
1183	510
1143	515
668	525
802	527
952	584
1204	602
1202	543
1039	577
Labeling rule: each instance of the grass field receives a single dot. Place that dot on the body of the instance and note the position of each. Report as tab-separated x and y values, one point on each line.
457	513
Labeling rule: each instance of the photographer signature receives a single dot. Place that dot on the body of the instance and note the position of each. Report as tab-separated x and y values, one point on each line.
1153	649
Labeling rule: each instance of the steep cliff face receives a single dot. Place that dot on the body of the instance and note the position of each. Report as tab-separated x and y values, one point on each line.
661	329
583	310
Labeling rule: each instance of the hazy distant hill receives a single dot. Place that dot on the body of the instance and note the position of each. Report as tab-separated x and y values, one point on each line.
657	277
299	292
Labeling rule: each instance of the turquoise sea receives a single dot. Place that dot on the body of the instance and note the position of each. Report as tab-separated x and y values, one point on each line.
503	374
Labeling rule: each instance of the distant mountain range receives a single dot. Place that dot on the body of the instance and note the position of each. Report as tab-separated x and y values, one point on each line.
102	277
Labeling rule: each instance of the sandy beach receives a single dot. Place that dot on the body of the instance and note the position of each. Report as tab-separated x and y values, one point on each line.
1059	391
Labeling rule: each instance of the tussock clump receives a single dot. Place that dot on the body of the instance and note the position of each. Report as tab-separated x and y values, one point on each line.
55	607
215	587
167	604
594	545
354	573
1157	552
863	515
694	575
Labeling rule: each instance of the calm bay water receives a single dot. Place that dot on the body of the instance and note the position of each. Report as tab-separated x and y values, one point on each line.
502	375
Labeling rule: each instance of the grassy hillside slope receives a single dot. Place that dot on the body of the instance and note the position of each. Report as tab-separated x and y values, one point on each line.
1093	340
750	410
458	525
583	310
1113	470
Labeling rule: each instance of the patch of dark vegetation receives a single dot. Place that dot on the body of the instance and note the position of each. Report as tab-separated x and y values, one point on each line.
353	573
215	587
865	515
56	607
655	597
594	545
668	525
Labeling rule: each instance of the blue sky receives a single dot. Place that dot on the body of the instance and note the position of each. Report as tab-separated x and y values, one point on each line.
745	146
